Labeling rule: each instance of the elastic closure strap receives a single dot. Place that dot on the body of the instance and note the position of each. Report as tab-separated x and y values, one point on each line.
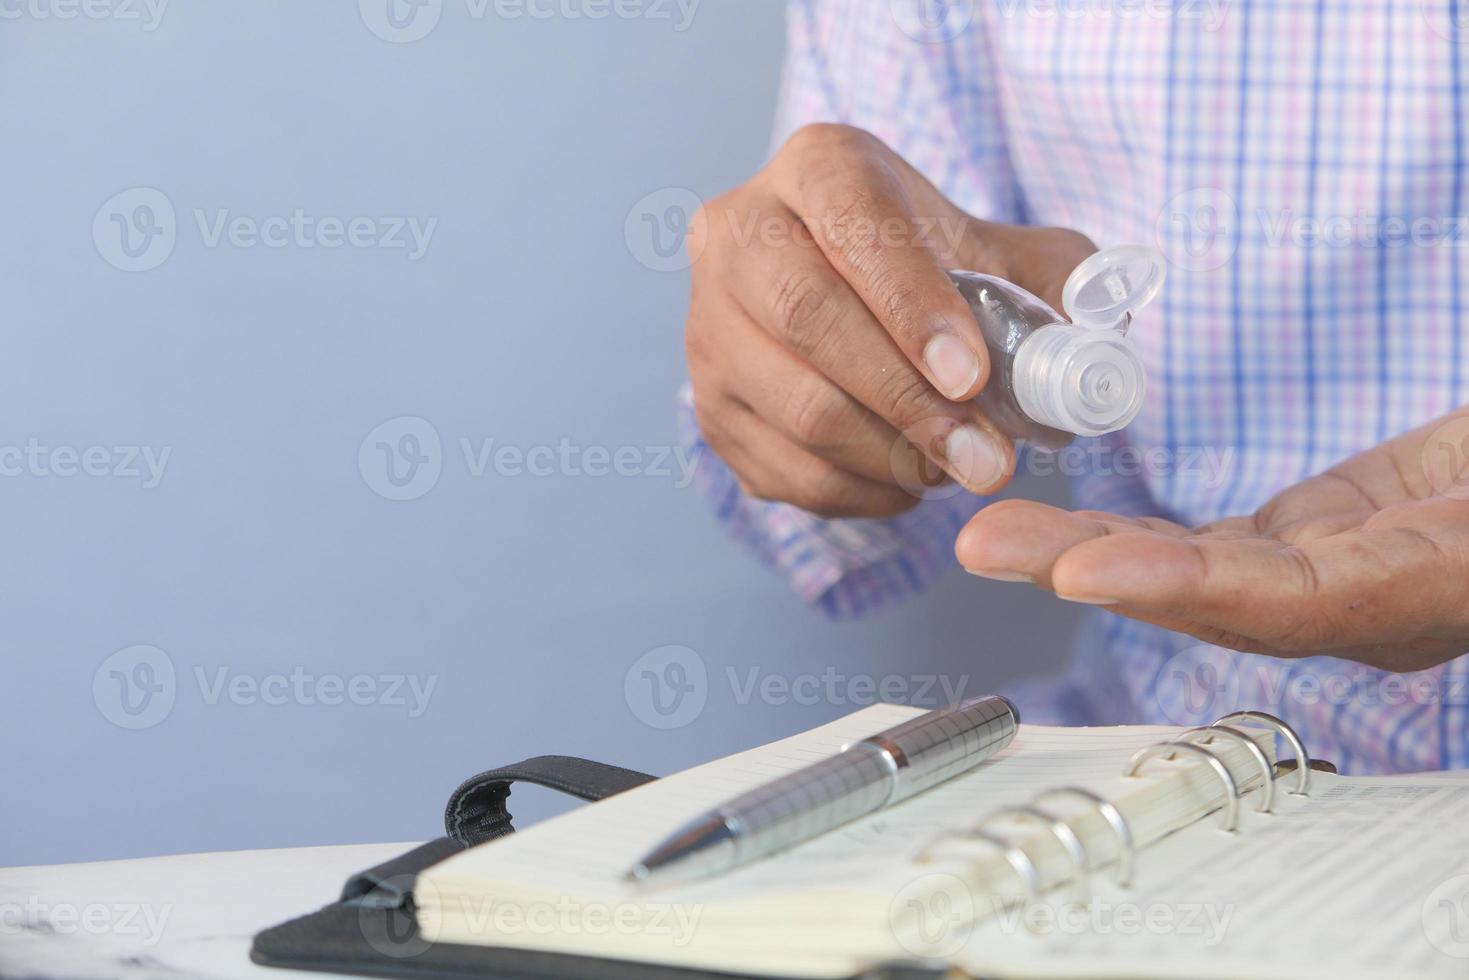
390	884
477	810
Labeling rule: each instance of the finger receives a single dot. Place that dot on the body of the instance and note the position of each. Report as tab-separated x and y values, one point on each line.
1395	472
1321	524
1020	540
1384	585
771	467
812	412
1326	494
1212	635
841	185
804	304
1386	475
1039	260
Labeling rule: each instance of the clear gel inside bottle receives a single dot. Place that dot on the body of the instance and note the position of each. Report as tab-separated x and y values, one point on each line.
1050	380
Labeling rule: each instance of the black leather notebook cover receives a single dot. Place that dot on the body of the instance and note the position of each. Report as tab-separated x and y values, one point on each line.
371	930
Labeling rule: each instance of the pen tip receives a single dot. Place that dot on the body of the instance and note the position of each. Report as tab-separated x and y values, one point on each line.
637	874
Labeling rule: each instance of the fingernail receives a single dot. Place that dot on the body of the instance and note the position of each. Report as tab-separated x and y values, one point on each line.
1087	600
974	458
1002	576
953	364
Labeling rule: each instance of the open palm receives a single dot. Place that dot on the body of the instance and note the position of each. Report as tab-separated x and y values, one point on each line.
1369	560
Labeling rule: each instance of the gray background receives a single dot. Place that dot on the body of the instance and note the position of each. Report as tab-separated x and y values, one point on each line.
264	550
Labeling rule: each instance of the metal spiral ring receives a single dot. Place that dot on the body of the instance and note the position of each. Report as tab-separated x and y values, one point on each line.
1171	750
1267	771
1303	761
1126	849
1064	835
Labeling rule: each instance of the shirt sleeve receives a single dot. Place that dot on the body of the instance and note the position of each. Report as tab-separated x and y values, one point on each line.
930	94
935	104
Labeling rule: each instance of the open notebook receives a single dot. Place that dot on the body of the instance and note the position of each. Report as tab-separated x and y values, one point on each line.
1364	877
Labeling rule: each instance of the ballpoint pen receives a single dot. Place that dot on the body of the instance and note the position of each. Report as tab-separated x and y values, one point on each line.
862	778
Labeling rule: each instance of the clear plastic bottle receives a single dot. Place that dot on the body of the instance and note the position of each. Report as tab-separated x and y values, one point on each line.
1050	380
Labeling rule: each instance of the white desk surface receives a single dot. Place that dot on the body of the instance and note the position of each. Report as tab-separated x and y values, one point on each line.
184	916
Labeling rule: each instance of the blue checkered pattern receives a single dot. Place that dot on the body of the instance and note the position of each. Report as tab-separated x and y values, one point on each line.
1302	163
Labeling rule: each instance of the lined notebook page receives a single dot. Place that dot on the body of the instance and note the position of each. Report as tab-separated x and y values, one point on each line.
1366	878
840	888
588	850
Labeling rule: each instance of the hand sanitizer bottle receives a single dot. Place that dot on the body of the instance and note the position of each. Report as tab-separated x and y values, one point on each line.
1050	380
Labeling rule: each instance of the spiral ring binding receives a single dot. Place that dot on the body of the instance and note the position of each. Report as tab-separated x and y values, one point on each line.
1126	851
1267	771
1062	832
1170	750
1018	860
1303	762
1192	742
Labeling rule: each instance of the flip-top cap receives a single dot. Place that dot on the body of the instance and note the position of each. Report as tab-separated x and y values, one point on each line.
1088	382
1113	284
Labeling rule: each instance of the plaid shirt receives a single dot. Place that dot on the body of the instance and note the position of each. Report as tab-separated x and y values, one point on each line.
1302	163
